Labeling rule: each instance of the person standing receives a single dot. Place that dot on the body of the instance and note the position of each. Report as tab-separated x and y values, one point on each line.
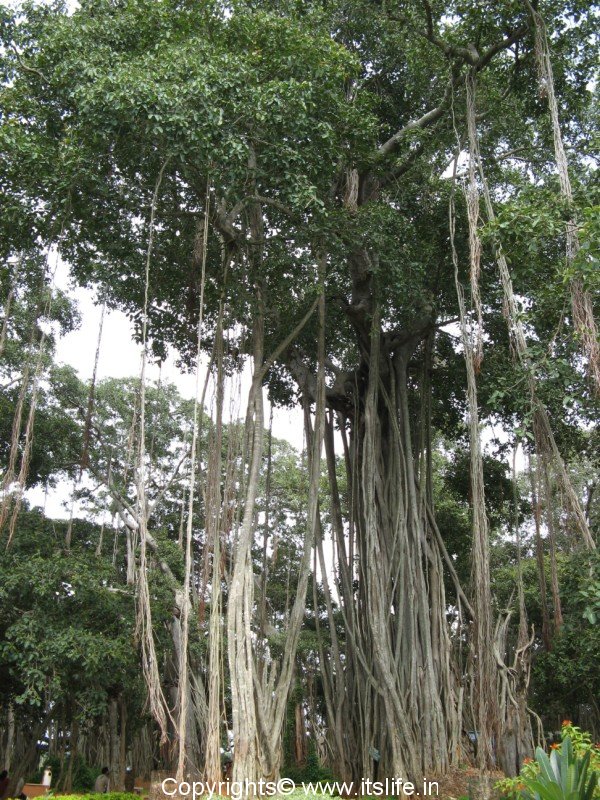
102	782
47	778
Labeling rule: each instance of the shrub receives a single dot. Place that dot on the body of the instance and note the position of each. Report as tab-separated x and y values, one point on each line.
311	771
108	796
562	777
83	775
571	772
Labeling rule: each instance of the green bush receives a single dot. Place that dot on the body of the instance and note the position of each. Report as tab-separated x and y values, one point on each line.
108	796
563	776
571	772
83	774
311	771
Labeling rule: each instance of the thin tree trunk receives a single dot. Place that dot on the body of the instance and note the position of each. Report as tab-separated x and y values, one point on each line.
539	552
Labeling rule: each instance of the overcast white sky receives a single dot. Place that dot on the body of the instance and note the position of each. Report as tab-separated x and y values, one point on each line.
120	358
120	355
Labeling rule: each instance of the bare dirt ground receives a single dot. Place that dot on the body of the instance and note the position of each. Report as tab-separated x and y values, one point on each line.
464	783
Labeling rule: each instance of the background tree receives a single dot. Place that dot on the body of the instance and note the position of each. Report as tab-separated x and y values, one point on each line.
313	143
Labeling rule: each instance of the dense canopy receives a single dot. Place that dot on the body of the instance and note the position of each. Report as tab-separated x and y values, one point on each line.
385	215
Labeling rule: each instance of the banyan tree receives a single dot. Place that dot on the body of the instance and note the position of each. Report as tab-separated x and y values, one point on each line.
336	201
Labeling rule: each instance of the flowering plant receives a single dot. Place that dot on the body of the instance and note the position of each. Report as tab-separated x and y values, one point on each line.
575	748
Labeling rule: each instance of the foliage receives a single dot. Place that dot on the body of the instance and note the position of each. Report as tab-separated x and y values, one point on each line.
92	796
83	775
572	664
38	314
67	622
311	771
571	772
452	502
562	778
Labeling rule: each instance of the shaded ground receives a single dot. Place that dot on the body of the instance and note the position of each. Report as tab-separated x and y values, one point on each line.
460	783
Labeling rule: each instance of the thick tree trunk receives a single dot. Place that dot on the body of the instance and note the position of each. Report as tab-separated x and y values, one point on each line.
403	646
300	735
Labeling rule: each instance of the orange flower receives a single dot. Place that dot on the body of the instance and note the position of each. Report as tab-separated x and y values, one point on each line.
528	760
566	722
554	746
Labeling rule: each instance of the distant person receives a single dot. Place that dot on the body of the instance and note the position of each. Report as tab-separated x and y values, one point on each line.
102	782
47	778
3	784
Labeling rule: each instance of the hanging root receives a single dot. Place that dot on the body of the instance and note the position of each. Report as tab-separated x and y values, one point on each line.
484	688
351	183
156	699
212	766
21	478
517	333
581	300
8	304
184	684
472	198
585	323
9	475
85	455
28	442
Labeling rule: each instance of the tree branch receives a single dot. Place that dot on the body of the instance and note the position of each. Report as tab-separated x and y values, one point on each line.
422	122
257	198
461	56
287	341
26	68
